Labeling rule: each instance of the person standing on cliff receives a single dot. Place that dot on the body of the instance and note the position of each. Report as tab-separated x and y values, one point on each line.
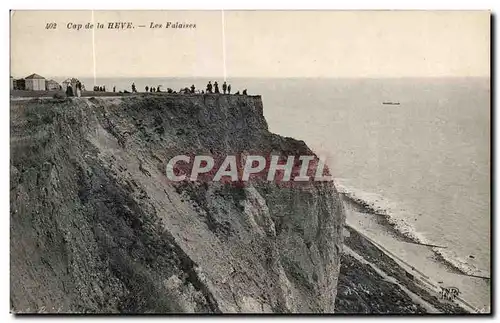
78	87
216	86
224	87
133	88
192	88
209	87
69	90
229	89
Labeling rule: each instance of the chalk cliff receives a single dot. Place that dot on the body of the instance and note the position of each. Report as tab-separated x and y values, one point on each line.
96	226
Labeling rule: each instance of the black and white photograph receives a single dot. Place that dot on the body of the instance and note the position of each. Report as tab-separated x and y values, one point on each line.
250	162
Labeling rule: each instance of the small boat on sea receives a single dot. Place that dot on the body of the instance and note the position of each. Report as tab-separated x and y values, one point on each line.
390	103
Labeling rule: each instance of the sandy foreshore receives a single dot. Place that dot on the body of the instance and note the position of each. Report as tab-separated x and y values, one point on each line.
374	280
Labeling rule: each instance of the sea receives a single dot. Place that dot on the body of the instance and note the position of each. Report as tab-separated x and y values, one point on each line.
424	163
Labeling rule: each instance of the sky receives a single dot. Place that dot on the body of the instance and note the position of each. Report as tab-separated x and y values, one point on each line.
253	44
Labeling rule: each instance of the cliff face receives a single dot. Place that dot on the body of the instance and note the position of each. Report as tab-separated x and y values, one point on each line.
97	227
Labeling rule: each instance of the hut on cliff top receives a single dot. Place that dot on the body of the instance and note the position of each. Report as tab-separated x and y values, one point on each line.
52	85
35	82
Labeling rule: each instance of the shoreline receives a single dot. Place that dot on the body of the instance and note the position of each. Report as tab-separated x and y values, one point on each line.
407	281
409	294
383	220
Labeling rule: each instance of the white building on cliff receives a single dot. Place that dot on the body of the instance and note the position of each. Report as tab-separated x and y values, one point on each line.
35	82
52	85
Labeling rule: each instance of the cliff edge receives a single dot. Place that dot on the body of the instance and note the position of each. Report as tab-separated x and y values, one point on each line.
96	226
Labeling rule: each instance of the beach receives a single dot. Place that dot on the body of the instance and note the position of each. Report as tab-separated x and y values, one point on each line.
382	273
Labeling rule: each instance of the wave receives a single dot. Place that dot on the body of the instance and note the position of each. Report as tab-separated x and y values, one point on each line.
397	219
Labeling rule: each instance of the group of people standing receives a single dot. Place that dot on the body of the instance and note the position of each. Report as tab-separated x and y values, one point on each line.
215	87
226	88
152	89
77	92
211	88
98	88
